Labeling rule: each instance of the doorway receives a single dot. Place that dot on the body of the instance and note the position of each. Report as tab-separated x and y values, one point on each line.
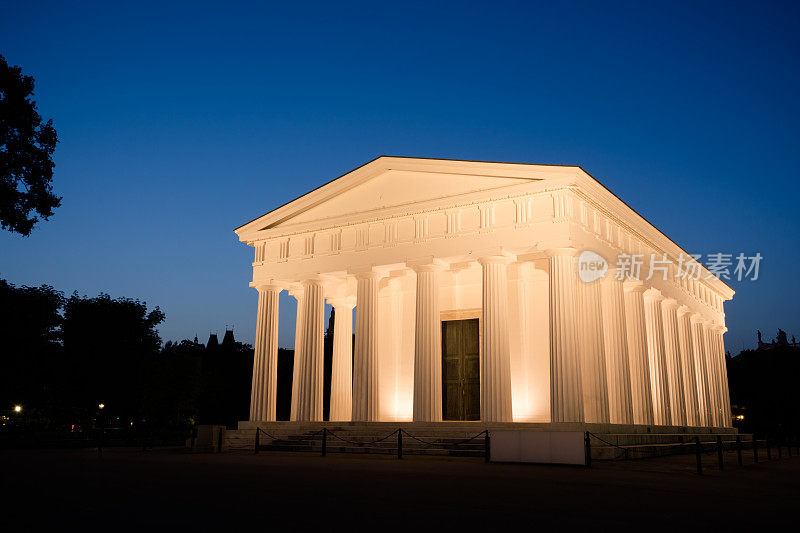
461	384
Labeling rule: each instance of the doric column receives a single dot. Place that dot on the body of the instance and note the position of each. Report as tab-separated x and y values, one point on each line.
642	398
690	384
726	394
299	295
659	382
616	350
342	365
310	375
566	395
365	360
673	356
701	371
592	353
713	374
495	353
427	346
263	393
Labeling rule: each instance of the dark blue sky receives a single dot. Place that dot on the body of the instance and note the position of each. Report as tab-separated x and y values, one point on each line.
180	122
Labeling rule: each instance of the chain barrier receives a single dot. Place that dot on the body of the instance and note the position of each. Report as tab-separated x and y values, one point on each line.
442	444
331	433
362	443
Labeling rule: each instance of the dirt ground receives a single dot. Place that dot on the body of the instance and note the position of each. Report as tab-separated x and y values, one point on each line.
170	488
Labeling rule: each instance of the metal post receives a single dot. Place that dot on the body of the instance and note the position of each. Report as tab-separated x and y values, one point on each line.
719	452
755	449
680	441
258	432
739	449
324	441
769	449
487	446
100	443
698	453
400	443
789	447
780	450
587	441
219	440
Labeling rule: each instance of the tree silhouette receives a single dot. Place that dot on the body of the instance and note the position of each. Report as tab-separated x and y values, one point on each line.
26	155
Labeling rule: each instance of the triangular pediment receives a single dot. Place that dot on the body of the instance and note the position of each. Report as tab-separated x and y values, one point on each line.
397	188
392	183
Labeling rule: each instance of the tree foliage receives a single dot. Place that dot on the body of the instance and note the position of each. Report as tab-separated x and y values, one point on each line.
26	155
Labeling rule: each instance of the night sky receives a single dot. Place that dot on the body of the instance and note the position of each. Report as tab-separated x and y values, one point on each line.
178	123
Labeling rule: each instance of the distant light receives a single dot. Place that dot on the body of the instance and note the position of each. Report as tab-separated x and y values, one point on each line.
739	417
102	406
17	408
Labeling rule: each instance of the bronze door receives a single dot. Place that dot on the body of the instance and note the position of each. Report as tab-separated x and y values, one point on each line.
461	379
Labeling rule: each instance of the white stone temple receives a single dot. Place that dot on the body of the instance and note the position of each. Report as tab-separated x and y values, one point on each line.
476	299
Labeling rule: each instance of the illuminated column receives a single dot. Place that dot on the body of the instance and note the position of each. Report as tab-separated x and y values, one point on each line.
427	346
566	397
310	375
690	383
641	397
701	371
265	356
659	382
713	374
365	361
592	353
299	295
673	356
727	418
616	350
495	354
342	365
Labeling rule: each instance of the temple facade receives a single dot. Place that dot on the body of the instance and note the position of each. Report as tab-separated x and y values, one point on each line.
496	292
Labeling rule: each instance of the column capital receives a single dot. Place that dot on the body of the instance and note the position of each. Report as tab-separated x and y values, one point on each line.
565	251
342	302
368	274
428	265
317	281
653	295
268	286
696	318
669	303
634	285
297	293
495	260
683	310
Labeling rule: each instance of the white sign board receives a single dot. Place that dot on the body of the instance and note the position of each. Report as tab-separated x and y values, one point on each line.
521	446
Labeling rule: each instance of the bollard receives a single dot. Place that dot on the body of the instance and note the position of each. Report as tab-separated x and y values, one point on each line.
255	448
219	440
399	443
719	453
698	453
680	442
487	446
769	449
788	447
588	450
739	449
324	441
100	443
755	449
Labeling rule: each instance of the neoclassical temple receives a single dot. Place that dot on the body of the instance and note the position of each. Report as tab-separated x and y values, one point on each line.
473	301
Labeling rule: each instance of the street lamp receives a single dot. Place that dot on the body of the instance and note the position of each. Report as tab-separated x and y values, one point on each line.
101	406
17	408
